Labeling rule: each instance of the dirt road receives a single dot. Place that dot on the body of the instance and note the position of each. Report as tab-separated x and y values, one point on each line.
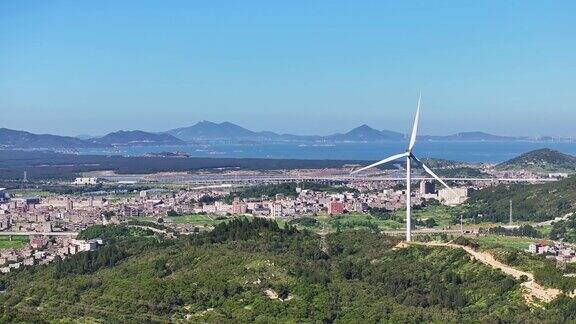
532	292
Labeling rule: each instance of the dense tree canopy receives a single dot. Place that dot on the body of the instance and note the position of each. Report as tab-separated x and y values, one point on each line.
256	271
538	202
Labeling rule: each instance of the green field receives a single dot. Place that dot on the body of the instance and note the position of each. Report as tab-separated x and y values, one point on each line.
144	218
30	193
520	243
442	214
358	221
16	242
544	230
395	221
196	219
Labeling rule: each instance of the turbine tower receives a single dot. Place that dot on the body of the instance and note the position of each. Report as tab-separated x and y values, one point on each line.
409	156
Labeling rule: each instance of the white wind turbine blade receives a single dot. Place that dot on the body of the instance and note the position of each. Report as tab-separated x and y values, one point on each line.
386	160
430	172
415	126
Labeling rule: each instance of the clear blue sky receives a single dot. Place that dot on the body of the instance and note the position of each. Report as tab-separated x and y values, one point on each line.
306	67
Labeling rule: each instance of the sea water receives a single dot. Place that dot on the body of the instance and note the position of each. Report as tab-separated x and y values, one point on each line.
491	152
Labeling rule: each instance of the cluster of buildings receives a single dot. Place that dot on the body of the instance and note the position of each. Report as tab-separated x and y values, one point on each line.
159	203
86	181
51	222
43	218
73	213
53	214
43	249
308	202
563	253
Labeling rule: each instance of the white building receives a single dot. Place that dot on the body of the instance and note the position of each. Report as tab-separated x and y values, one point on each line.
85	181
89	245
276	210
454	196
534	248
559	175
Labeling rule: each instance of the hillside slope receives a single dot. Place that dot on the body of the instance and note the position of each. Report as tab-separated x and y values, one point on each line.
543	160
256	272
539	202
20	139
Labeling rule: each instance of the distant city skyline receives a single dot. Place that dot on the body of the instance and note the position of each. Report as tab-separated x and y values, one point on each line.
301	67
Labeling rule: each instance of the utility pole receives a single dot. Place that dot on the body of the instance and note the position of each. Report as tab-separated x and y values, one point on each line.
24	180
510	211
461	225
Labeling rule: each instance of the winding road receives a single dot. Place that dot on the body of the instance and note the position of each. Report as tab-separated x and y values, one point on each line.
532	292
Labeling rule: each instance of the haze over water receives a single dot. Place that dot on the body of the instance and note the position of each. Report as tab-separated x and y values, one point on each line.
491	152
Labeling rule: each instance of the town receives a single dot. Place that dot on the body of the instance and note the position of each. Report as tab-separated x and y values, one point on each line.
52	221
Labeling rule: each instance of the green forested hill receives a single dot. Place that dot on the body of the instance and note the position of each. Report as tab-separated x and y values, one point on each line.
538	202
461	172
543	160
223	276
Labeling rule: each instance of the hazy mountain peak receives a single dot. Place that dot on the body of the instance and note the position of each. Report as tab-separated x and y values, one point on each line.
210	130
205	123
137	137
367	133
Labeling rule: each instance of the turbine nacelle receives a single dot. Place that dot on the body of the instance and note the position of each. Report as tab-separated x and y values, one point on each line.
412	157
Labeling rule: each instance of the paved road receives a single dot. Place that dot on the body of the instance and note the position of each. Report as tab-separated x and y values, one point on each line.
230	180
213	179
557	219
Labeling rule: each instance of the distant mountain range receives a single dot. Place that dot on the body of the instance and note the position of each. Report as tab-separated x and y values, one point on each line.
226	131
20	139
206	130
25	140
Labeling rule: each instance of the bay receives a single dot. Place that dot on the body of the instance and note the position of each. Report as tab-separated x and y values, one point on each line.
488	152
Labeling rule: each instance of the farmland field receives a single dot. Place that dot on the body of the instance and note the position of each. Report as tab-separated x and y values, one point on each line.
7	242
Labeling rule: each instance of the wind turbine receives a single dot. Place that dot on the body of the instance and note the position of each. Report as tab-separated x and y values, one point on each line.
409	158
